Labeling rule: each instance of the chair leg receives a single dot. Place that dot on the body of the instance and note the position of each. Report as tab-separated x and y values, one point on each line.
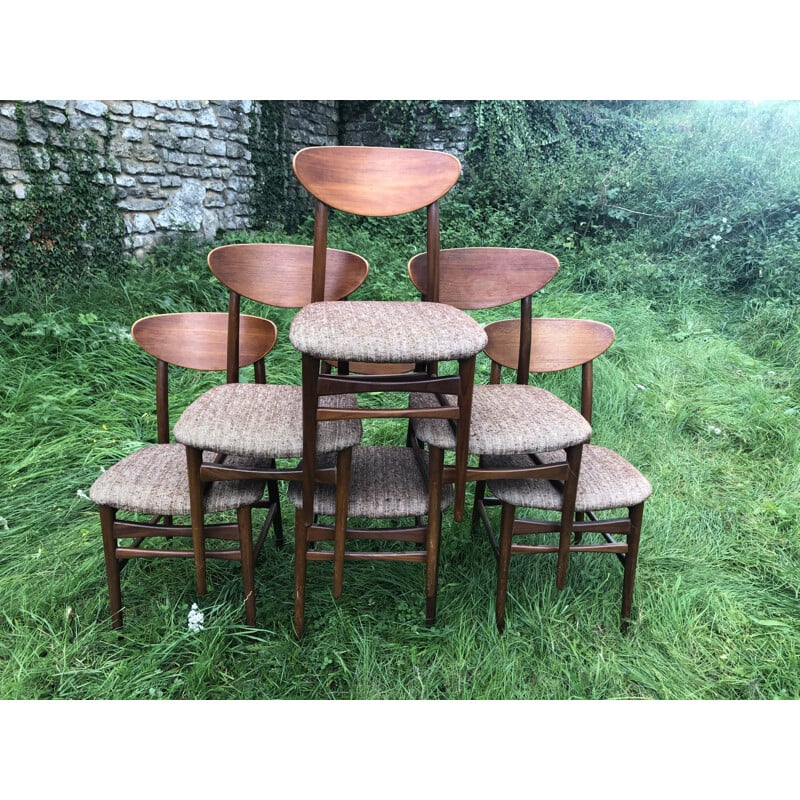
300	562
434	529
466	372
244	519
194	458
480	491
344	461
567	513
107	518
503	563
635	514
277	523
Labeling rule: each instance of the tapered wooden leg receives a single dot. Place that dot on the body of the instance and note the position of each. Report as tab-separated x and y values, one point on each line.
480	491
107	518
629	573
434	526
273	493
244	518
344	461
300	547
567	513
466	371
194	458
503	563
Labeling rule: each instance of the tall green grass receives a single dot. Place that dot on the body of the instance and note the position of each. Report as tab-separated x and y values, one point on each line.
704	411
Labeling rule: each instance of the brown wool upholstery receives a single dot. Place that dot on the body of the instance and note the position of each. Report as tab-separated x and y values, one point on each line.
260	421
508	418
606	481
386	483
159	474
386	331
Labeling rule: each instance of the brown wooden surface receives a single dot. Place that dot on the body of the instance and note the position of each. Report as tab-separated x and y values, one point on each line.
376	181
280	274
485	277
198	340
556	344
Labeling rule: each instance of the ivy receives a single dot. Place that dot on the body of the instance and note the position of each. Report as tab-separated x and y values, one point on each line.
67	226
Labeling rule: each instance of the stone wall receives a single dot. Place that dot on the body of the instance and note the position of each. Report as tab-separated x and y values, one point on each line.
187	165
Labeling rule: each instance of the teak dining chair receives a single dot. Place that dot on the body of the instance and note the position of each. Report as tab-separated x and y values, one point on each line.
153	481
378	182
607	481
507	419
261	422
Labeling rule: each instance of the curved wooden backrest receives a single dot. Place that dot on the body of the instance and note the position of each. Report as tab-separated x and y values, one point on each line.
556	344
199	340
485	277
280	274
376	181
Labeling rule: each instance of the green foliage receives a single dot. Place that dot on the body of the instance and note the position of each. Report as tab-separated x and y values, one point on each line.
67	227
273	203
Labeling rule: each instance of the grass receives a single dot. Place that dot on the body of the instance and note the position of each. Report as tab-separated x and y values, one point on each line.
701	395
683	394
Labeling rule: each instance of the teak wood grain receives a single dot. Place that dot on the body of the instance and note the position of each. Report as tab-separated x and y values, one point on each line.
556	344
199	340
468	277
376	181
280	274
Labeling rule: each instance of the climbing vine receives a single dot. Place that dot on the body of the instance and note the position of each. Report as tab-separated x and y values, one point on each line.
67	225
272	202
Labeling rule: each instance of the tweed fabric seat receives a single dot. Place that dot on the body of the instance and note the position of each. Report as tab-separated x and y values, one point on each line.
508	418
386	482
386	331
606	481
261	421
414	336
155	481
159	474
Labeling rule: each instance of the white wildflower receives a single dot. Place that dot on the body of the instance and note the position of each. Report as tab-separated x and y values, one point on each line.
3	524
196	618
714	429
640	387
83	496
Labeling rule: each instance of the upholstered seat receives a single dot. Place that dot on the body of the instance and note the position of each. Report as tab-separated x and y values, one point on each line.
508	418
154	481
606	481
401	344
385	483
386	331
158	472
261	421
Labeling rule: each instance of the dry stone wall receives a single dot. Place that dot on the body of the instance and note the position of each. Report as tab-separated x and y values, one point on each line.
187	165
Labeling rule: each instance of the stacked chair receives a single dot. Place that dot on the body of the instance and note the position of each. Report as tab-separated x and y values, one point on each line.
376	181
521	445
607	481
153	481
508	419
260	423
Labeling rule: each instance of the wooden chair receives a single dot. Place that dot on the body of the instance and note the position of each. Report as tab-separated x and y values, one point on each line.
153	481
381	182
607	481
260	423
507	419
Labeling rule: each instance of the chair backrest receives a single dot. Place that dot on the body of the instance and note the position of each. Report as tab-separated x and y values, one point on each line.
278	275
379	182
199	341
555	344
488	277
485	277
